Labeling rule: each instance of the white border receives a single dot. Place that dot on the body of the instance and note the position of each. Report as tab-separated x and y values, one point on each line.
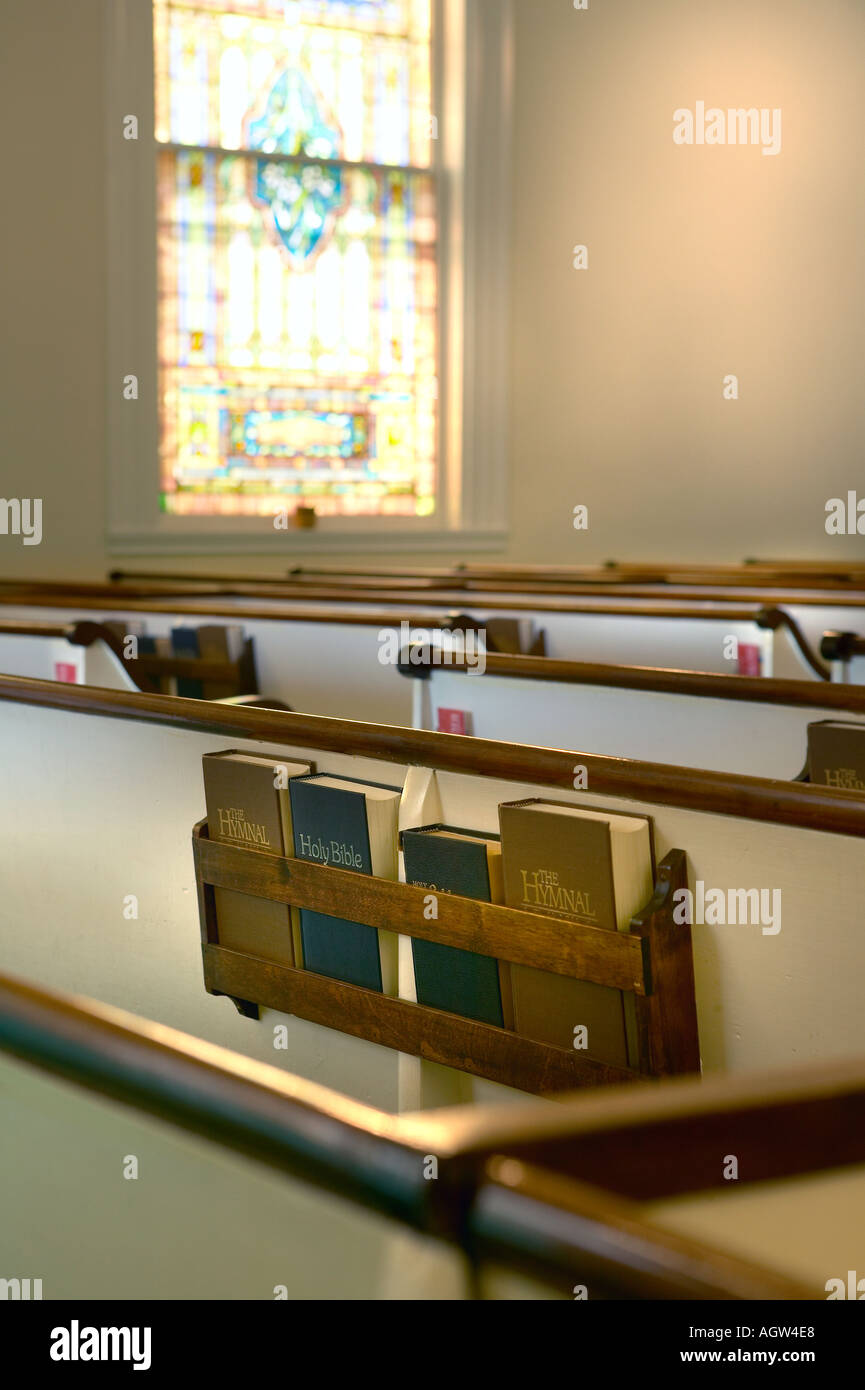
473	86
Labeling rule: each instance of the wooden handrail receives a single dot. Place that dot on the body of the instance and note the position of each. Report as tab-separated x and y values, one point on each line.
752	798
31	627
256	1109
283	610
705	684
283	607
79	634
854	597
631	1140
300	575
751	587
555	1223
437	574
215	606
494	1208
138	596
775	618
611	572
675	573
807	567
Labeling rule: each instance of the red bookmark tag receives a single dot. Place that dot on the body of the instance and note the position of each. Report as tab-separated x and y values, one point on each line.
750	659
454	721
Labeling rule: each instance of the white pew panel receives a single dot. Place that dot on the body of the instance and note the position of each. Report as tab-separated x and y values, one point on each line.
750	738
39	658
103	808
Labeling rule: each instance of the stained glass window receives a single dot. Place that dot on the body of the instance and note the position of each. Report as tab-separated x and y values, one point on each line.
297	256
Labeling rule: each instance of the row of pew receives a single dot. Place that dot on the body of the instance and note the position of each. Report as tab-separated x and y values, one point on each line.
331	663
107	783
631	628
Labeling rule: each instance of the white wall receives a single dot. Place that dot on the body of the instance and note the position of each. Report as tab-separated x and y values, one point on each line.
703	261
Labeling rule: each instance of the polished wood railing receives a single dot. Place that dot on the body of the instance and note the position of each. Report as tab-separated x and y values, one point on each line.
501	1194
412	606
802	574
703	684
754	798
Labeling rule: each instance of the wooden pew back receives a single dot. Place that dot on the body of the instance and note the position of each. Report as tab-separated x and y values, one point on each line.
108	787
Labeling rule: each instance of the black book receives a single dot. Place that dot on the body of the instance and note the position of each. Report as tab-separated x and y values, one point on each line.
446	859
347	824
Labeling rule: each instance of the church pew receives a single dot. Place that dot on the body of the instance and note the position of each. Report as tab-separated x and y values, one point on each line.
729	723
809	612
114	779
752	585
546	1201
816	574
677	636
806	587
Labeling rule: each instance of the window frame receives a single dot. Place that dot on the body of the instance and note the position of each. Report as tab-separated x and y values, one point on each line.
472	100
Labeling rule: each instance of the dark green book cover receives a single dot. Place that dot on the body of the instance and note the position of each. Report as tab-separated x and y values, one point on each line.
446	977
330	827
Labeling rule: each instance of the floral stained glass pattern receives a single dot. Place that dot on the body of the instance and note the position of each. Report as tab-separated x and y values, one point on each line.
297	256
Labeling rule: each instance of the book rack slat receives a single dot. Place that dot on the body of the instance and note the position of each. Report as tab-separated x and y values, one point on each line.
431	1034
525	938
652	960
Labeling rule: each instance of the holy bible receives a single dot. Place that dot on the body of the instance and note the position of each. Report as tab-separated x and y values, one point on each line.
445	859
347	824
248	805
588	866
